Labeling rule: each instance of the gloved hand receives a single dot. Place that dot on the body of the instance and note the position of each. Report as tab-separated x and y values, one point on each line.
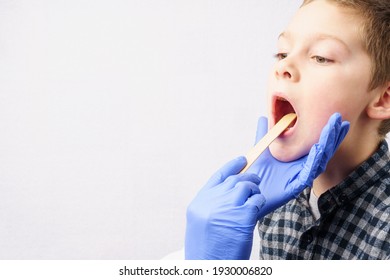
222	217
283	181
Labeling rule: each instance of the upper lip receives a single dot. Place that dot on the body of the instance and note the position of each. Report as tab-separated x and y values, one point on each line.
281	105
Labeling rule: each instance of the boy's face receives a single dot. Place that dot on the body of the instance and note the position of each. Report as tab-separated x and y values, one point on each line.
321	68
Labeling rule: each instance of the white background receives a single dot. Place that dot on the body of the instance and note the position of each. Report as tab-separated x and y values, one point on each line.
113	114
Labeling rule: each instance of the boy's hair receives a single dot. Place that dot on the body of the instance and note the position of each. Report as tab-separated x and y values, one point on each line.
376	38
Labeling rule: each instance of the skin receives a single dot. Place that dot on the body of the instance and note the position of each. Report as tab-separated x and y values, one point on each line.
322	69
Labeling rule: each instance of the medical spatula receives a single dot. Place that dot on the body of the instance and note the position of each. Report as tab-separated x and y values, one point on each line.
264	142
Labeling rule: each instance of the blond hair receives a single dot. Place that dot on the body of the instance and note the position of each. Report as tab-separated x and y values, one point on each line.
375	15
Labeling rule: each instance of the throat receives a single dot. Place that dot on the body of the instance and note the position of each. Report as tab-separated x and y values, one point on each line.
337	169
323	184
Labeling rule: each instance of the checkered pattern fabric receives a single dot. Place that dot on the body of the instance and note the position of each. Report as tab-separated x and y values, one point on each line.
354	223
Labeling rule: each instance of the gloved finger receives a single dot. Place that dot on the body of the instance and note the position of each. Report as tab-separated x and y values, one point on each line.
262	128
331	136
343	132
318	157
327	143
312	165
338	127
255	204
242	191
233	180
231	168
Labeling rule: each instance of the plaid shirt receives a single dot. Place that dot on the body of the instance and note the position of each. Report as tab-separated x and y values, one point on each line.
354	223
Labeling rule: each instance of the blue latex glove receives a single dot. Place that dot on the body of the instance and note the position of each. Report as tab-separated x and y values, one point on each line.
283	181
222	217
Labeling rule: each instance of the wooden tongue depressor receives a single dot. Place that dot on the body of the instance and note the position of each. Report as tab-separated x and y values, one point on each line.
264	142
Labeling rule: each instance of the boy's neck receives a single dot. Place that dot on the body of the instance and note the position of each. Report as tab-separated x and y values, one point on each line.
348	157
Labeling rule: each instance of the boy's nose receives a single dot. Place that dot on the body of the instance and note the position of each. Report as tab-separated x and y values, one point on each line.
286	70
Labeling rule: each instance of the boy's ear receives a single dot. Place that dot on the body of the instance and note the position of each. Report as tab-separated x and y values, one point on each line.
379	107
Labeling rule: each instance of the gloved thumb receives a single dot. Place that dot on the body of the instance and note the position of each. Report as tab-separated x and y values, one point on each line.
262	128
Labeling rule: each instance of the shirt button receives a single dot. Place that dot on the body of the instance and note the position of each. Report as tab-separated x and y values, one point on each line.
307	238
343	198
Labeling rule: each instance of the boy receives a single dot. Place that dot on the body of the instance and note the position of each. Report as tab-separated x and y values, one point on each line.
333	57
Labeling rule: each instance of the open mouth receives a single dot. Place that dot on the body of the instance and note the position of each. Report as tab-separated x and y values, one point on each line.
282	107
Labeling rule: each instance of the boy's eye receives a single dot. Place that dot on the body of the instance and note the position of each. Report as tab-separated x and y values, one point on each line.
281	56
321	60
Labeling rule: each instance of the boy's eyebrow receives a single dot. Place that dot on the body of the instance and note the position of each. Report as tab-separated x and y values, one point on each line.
317	36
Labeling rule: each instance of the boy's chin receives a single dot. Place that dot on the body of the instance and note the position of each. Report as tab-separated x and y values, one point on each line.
287	154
